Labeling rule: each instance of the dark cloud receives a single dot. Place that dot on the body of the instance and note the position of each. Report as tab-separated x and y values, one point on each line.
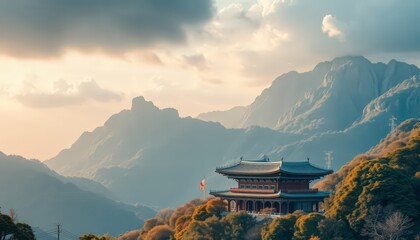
47	27
66	94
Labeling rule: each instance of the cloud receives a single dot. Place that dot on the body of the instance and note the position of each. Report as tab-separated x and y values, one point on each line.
49	27
197	60
65	94
330	26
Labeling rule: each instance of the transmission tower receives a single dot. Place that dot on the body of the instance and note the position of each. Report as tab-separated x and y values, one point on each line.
329	158
58	231
393	123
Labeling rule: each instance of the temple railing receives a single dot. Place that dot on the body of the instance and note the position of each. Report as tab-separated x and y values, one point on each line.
311	190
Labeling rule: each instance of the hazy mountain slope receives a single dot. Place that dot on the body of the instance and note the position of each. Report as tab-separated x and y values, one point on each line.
347	88
230	118
155	157
330	97
273	102
405	133
43	201
402	101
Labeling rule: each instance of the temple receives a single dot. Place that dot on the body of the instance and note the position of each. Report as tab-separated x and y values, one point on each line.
280	186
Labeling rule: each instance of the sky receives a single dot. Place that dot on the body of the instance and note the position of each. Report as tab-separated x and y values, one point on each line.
67	66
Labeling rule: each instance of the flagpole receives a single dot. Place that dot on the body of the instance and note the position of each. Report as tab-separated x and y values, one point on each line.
204	189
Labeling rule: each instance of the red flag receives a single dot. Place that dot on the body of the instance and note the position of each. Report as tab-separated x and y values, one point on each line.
203	184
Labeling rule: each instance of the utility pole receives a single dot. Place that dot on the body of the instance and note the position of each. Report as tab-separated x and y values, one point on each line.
58	231
329	159
393	124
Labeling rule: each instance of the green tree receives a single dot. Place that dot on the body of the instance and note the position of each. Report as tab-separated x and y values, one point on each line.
210	229
238	224
332	229
373	182
280	228
24	232
307	226
7	227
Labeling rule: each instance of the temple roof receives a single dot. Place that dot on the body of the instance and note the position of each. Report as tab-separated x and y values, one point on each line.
304	167
301	195
264	166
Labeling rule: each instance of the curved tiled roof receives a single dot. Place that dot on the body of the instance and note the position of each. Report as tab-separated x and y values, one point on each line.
256	167
304	167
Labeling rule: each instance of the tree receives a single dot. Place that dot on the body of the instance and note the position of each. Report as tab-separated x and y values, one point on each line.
384	224
216	206
23	232
307	226
91	237
161	232
280	228
332	229
396	226
210	229
164	215
181	226
7	227
370	183
238	224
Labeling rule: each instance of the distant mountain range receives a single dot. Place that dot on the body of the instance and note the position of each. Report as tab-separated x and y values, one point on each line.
153	156
330	97
43	199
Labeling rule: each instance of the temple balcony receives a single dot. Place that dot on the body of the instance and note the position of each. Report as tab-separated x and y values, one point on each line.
310	190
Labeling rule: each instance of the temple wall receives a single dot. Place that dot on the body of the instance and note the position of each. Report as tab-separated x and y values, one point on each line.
294	185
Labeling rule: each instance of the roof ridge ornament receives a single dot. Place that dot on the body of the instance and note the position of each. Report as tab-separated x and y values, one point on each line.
265	158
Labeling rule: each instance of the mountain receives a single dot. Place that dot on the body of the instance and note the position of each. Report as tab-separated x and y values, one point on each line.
153	156
43	200
402	101
408	132
314	101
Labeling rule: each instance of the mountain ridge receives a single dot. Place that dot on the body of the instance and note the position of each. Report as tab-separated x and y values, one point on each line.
145	144
22	179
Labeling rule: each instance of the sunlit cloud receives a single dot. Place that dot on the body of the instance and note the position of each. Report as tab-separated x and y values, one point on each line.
330	26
